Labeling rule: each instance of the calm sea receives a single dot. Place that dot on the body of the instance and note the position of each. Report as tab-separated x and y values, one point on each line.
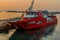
8	15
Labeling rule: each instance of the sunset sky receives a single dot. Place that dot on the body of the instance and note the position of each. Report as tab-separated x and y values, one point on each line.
51	5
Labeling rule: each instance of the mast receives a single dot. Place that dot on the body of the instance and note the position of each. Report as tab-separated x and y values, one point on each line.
31	7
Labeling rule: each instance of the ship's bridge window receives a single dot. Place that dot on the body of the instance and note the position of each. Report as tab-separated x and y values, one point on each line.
30	15
45	15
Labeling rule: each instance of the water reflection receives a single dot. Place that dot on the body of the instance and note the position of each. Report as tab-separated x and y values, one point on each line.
20	35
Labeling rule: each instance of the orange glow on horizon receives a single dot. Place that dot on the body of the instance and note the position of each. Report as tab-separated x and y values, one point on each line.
24	4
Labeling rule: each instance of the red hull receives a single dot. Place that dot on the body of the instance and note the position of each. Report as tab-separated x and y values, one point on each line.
35	28
46	24
40	28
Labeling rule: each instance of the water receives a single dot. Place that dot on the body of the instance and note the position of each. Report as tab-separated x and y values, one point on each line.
13	35
5	15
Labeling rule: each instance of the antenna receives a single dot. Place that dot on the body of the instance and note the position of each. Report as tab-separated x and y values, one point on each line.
31	7
39	5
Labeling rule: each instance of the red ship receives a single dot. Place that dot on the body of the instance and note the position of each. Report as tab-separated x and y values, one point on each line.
35	22
32	22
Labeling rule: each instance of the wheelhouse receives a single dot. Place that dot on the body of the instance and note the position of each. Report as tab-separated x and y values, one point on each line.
30	15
